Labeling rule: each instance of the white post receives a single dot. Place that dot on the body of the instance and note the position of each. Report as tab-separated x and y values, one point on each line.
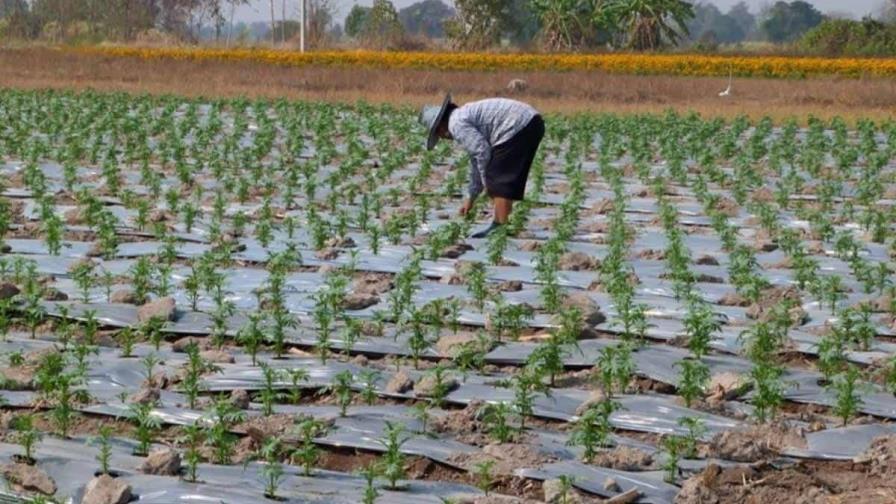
302	27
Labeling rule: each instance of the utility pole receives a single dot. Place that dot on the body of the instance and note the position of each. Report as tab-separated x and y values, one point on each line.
302	27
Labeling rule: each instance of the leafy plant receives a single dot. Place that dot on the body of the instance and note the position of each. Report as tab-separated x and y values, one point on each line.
272	469
26	435
593	429
307	453
392	461
146	423
846	389
482	471
192	438
341	389
103	442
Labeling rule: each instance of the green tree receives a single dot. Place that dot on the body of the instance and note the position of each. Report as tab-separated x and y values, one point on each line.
648	24
846	37
382	28
356	21
785	22
565	24
709	20
478	24
745	20
426	18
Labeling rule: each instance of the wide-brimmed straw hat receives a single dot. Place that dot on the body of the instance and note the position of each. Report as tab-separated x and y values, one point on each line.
430	117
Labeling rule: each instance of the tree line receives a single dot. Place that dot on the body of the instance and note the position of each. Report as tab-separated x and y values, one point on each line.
550	25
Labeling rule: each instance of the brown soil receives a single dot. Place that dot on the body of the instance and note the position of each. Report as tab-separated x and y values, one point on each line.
754	443
807	482
625	458
548	91
419	468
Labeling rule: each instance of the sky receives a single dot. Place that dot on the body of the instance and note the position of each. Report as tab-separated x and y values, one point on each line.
259	10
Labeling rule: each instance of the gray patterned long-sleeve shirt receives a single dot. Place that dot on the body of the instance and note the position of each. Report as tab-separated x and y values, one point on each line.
479	126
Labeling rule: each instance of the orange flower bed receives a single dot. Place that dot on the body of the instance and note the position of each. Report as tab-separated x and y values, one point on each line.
665	64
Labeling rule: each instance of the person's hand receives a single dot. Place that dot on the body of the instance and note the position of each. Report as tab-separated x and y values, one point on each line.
466	207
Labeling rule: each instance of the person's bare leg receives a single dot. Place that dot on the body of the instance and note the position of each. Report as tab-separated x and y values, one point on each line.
503	207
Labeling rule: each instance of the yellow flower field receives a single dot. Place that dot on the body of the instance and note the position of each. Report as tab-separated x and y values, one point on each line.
666	64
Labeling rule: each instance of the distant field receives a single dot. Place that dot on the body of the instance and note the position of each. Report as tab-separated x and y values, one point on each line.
550	91
630	64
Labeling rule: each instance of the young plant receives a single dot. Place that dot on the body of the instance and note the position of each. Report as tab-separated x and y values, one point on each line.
296	375
269	393
104	453
342	390
392	459
26	435
485	478
369	378
693	380
196	366
192	438
615	368
593	430
146	423
307	453
696	429
251	336
846	389
673	447
497	421
222	417
272	470
370	473
126	339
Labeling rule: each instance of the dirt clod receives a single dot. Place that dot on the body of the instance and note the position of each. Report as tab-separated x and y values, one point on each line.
880	456
217	356
400	383
124	296
162	462
510	286
372	283
625	458
591	314
105	489
755	443
182	344
427	385
449	344
29	477
162	308
715	485
577	261
707	260
240	398
8	290
146	395
359	301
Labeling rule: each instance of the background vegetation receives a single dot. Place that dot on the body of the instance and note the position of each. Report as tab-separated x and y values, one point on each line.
469	25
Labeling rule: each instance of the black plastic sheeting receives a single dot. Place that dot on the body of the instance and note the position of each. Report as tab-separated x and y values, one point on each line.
71	464
591	479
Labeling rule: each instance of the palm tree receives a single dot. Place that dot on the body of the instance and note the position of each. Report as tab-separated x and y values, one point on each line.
564	23
647	24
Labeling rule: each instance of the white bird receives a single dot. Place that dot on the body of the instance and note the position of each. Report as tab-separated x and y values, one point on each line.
727	91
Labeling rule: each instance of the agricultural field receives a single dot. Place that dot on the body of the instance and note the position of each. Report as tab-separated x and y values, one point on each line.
623	63
246	301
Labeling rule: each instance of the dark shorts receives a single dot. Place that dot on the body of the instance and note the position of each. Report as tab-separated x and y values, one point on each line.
508	170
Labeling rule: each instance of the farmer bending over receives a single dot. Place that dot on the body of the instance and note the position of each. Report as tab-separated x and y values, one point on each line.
501	137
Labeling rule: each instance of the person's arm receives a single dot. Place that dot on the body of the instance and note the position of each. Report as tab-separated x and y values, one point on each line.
480	153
